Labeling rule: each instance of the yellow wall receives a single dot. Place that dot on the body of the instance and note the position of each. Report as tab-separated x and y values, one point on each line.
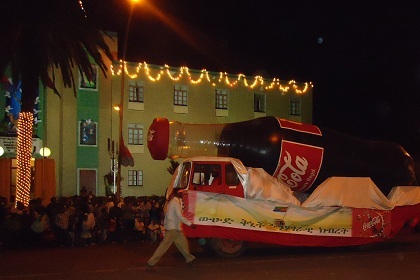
158	102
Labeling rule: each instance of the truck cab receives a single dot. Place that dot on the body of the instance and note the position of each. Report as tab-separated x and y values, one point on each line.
219	175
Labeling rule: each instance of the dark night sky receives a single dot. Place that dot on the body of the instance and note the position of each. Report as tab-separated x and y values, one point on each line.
366	70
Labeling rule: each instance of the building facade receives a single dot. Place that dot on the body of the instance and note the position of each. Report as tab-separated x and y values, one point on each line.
82	131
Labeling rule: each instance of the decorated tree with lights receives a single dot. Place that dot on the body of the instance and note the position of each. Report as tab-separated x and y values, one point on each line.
38	38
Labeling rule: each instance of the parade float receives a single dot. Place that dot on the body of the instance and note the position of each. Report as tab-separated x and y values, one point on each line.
300	187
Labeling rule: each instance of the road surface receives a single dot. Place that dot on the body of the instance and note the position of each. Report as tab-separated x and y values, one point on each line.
396	259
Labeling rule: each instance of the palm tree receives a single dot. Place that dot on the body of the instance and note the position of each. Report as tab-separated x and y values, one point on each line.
38	37
172	167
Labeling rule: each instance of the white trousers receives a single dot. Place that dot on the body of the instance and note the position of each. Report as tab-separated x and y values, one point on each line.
172	236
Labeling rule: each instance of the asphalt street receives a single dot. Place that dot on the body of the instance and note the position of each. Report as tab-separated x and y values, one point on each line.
398	258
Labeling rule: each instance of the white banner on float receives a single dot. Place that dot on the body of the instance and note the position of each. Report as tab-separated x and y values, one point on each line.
257	215
210	209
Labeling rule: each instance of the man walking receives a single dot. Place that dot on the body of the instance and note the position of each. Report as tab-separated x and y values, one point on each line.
174	234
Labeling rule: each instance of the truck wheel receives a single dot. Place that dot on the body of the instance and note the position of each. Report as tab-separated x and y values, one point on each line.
227	248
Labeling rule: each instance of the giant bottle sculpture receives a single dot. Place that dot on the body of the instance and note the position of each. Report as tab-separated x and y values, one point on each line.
300	155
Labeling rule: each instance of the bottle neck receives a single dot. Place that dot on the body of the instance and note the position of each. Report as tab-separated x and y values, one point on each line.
188	140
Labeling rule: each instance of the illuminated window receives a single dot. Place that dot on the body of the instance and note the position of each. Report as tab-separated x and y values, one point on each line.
180	95
221	99
135	177
294	106
136	91
259	102
135	134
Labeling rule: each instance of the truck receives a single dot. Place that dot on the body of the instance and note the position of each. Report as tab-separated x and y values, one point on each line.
233	206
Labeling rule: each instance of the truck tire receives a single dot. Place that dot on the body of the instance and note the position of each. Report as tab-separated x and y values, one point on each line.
227	248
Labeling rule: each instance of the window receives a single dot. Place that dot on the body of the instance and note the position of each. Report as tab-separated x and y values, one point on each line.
136	91
84	82
185	175
259	102
207	174
221	99
231	175
294	106
135	177
180	95
88	135
135	134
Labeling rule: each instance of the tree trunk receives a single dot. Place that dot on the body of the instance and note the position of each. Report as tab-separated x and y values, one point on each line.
23	158
30	90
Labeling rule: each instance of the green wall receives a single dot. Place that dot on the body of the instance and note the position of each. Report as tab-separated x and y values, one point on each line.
88	109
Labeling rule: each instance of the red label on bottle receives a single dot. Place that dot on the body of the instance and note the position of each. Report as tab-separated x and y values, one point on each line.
299	165
302	127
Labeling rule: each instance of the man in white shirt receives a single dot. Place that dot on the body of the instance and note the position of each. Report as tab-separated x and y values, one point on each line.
174	234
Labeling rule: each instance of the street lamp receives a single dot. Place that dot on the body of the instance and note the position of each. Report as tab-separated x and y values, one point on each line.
127	28
121	105
45	152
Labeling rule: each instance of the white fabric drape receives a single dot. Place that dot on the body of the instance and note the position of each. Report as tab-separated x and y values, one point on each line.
356	192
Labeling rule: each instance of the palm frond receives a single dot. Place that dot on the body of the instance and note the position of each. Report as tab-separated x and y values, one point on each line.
37	35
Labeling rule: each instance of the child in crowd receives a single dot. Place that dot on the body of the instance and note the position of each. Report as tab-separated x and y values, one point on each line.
139	228
86	235
154	231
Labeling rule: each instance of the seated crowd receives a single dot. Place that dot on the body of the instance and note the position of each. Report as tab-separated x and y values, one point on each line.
81	220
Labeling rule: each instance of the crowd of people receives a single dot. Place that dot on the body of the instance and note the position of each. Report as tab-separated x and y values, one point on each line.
81	220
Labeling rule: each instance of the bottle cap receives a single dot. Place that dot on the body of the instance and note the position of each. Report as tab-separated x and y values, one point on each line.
158	138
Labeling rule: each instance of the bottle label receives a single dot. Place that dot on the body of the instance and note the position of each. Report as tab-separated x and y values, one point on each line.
299	164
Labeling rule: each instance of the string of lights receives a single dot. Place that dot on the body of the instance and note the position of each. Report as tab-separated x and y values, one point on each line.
204	75
23	157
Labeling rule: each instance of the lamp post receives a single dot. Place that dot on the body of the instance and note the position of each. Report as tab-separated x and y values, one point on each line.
114	162
121	105
45	152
